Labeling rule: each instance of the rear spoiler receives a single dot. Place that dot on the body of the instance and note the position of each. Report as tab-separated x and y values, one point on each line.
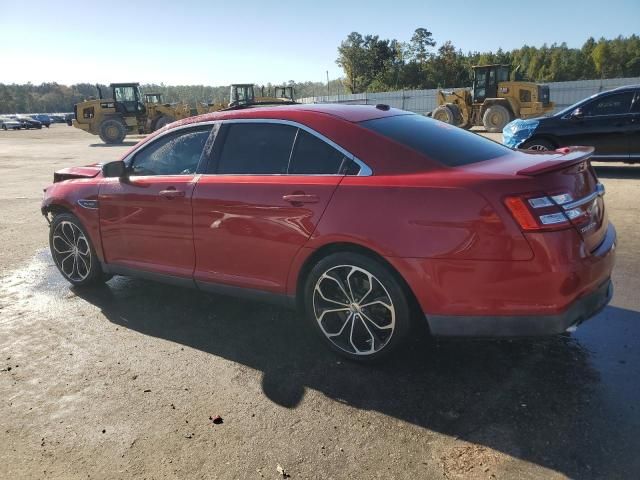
566	157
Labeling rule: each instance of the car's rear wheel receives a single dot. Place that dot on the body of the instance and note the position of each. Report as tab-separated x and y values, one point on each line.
358	306
538	145
73	252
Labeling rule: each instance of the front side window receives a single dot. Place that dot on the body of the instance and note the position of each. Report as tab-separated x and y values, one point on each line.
312	156
256	149
173	154
616	104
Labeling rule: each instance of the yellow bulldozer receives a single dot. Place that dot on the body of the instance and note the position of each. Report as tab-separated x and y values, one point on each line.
243	95
125	110
494	100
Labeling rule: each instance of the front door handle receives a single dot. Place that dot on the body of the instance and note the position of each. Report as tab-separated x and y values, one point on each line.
300	198
171	193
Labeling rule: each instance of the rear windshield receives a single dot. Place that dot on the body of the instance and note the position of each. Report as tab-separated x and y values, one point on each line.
449	145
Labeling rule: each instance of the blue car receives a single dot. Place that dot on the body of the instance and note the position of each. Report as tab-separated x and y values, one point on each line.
608	121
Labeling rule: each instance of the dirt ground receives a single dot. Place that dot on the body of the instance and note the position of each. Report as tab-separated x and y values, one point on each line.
121	381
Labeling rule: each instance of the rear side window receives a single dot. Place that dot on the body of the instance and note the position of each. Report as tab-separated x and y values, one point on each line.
314	156
256	149
449	145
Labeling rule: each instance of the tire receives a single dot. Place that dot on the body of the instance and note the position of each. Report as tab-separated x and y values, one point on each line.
73	252
333	295
495	118
445	114
4	127
112	131
538	145
162	121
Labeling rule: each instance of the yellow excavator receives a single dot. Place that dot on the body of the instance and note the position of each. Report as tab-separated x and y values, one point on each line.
124	110
494	100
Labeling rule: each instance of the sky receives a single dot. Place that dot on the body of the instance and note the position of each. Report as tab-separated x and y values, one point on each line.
211	42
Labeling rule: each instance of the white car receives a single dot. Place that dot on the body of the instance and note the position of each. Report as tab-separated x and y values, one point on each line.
9	123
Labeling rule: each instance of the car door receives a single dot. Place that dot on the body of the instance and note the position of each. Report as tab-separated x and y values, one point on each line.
604	123
146	218
634	133
266	190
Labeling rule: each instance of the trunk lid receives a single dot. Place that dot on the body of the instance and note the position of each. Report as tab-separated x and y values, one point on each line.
565	178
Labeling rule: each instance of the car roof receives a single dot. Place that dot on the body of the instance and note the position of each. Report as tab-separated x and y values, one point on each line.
623	88
350	113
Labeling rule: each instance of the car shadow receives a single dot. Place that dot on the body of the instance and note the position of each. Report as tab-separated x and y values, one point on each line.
537	400
617	171
129	143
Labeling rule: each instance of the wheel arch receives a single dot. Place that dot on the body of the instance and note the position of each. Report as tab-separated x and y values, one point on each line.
344	247
543	136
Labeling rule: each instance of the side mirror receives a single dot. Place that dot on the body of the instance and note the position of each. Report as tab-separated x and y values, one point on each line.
115	169
576	114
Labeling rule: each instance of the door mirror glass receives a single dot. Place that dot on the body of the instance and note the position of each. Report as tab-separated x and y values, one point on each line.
115	169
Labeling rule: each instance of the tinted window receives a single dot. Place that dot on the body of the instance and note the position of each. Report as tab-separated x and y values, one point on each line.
609	105
256	148
449	145
176	154
314	156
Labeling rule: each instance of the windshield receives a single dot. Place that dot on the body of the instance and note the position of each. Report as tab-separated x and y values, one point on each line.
444	143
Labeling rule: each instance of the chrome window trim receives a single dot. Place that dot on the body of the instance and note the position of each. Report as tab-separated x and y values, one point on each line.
365	170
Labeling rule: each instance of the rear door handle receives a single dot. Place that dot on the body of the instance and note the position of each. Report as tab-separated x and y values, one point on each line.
300	198
171	193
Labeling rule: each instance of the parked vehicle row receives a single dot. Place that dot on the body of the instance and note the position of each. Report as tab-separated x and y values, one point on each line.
368	218
33	121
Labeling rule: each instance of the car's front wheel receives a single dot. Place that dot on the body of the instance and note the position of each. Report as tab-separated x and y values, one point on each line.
73	252
358	305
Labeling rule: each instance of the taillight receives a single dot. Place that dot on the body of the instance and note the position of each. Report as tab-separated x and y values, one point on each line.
543	212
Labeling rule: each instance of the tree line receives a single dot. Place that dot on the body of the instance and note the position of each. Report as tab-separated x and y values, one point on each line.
372	64
54	98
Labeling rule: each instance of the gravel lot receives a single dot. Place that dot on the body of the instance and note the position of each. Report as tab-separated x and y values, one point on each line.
121	381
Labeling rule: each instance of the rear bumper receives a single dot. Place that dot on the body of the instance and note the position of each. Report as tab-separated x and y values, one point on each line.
523	326
561	286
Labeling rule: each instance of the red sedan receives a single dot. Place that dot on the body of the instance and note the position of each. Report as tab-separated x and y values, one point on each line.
368	218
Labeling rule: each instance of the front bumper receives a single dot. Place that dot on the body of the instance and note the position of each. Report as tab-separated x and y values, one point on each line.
523	326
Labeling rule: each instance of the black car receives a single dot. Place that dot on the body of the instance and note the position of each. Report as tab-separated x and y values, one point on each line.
608	121
28	122
45	120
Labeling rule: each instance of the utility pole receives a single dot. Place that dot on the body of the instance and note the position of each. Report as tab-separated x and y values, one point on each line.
327	83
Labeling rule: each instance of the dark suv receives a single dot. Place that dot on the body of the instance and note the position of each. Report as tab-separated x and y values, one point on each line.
608	121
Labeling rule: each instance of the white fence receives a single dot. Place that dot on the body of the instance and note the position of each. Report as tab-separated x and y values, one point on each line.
423	101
